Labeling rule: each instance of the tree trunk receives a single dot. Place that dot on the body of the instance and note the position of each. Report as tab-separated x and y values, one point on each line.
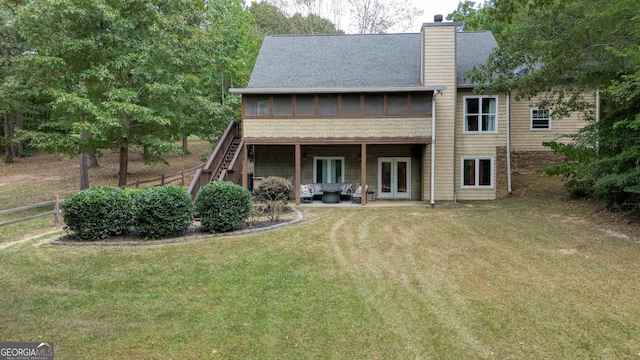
84	172
8	137
185	150
124	163
20	125
84	165
124	154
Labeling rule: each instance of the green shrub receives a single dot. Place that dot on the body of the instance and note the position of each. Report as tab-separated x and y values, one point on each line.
162	211
98	212
273	192
222	206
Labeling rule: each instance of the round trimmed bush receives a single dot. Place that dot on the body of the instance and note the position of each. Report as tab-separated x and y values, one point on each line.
162	211
273	188
98	212
273	192
222	206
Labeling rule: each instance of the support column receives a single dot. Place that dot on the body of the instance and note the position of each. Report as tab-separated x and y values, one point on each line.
363	173
245	166
297	173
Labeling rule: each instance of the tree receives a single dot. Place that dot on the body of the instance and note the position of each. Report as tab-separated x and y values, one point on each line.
378	16
311	16
473	17
126	74
271	20
566	49
12	104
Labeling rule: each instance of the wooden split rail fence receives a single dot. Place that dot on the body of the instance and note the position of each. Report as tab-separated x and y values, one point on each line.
182	178
55	212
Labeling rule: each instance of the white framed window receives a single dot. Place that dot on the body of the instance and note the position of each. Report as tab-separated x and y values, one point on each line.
540	119
480	114
477	172
328	169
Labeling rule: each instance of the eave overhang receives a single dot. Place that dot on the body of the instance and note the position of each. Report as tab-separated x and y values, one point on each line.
336	90
425	140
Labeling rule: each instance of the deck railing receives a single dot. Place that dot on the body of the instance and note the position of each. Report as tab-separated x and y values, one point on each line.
206	174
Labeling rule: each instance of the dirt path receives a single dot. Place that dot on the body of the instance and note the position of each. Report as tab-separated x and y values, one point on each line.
27	239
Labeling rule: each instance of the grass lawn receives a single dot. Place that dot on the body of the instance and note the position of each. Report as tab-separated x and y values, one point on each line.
534	276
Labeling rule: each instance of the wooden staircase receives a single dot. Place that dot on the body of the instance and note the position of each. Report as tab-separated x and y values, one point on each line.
224	164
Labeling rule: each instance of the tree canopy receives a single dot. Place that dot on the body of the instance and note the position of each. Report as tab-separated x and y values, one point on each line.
564	50
133	74
272	20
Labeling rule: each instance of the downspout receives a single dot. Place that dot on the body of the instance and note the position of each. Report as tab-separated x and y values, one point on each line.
433	148
509	142
455	149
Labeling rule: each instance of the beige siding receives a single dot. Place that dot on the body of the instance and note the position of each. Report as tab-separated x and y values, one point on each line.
426	173
439	59
478	145
332	128
525	139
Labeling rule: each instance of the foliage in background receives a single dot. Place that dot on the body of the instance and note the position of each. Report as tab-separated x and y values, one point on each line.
273	193
380	16
222	206
564	51
98	212
273	20
162	211
130	74
470	16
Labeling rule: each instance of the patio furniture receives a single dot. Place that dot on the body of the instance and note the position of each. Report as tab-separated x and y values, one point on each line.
318	188
357	195
371	195
330	196
305	193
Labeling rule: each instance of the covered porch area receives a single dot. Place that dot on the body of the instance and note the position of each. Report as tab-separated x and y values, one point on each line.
389	168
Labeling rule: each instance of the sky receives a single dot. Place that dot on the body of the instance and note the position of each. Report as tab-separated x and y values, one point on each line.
435	7
429	8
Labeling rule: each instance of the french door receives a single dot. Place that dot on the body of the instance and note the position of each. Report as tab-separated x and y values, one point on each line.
394	178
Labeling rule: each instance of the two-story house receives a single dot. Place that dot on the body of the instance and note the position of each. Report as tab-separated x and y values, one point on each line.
392	111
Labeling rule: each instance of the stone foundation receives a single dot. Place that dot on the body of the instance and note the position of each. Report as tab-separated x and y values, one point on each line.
527	162
502	188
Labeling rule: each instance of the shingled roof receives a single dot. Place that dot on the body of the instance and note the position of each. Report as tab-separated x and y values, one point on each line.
355	61
472	48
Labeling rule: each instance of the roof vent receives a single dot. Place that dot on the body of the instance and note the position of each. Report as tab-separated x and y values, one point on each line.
437	18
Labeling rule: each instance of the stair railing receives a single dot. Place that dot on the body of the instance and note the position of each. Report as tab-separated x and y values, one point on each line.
233	172
204	175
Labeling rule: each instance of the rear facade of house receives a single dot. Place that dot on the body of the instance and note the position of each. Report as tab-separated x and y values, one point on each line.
392	111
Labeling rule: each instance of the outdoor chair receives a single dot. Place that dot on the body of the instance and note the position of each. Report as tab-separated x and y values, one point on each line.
306	194
356	196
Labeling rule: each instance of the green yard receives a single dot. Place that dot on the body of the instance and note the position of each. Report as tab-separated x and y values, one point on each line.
534	276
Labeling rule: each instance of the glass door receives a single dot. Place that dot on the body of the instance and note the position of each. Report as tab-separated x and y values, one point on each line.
328	169
394	178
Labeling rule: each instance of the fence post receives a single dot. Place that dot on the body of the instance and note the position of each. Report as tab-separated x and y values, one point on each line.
162	180
56	208
182	178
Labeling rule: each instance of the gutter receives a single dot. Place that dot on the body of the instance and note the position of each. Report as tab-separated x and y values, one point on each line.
332	90
509	143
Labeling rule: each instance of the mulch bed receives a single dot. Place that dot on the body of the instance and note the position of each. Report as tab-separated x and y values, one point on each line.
194	233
